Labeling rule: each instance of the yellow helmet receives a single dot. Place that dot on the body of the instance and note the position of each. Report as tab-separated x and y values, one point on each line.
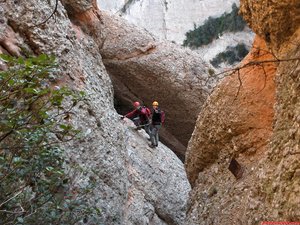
155	103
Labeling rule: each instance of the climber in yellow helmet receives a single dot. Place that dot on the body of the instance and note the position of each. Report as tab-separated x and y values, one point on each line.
158	118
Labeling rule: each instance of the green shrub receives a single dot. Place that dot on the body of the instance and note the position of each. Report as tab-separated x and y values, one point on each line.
213	27
230	56
34	189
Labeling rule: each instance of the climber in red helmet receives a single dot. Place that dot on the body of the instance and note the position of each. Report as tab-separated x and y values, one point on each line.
143	114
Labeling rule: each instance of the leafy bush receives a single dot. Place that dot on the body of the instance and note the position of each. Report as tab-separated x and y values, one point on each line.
213	27
34	189
231	55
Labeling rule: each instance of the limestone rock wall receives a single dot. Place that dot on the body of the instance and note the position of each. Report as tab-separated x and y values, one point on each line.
281	178
153	70
265	141
167	19
146	69
130	178
275	22
172	19
236	122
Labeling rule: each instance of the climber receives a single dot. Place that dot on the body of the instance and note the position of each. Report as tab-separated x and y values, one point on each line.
158	118
143	113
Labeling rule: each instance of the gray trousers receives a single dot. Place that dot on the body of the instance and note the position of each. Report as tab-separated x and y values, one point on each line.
148	129
138	124
154	136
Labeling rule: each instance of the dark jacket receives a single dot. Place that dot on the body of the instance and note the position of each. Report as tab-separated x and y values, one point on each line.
156	116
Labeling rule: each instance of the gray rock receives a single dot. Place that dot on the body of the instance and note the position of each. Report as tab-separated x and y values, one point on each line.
110	156
152	70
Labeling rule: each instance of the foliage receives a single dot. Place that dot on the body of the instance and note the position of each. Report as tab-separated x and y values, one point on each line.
231	55
34	189
214	27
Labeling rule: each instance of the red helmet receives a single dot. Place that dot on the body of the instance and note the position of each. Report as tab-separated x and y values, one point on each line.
136	104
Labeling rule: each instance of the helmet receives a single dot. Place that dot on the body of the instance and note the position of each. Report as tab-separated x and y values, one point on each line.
155	103
136	104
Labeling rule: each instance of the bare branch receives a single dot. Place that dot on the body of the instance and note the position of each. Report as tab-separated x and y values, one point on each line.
265	76
12	212
46	20
255	63
240	85
259	63
11	198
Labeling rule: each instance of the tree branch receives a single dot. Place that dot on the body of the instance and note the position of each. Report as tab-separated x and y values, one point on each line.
255	63
11	198
240	85
46	20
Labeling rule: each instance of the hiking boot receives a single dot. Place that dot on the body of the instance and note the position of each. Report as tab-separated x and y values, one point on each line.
152	146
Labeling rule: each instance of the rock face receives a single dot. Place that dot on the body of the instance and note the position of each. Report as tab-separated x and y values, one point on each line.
134	184
281	179
242	117
172	19
274	22
147	69
236	123
280	184
143	68
264	142
154	189
167	19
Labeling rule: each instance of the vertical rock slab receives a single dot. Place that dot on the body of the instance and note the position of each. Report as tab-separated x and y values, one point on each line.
236	123
269	187
279	184
158	189
129	186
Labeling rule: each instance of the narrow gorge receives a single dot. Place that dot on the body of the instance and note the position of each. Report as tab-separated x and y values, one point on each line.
229	150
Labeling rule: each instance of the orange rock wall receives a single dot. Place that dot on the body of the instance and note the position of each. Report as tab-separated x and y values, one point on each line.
259	127
238	117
